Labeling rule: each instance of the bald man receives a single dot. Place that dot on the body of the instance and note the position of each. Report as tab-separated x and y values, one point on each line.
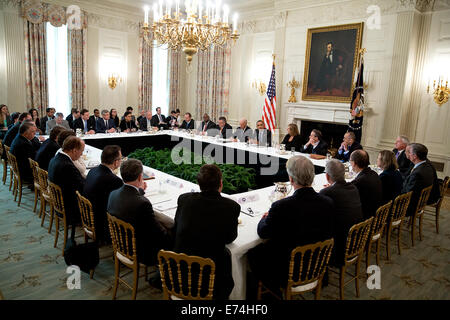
243	133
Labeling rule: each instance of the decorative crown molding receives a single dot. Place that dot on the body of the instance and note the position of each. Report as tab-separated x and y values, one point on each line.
419	5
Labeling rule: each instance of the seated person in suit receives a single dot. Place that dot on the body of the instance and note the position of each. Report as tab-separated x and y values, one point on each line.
23	149
105	124
50	116
262	136
58	121
62	172
225	130
14	118
316	145
347	147
391	178
159	120
94	118
142	116
84	123
368	183
347	207
304	218
79	164
128	125
129	204
48	148
74	115
146	123
404	165
133	118
243	133
200	231
14	130
207	126
100	182
292	139
188	122
172	120
422	175
113	115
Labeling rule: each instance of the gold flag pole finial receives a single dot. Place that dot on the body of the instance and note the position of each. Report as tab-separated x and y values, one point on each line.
273	56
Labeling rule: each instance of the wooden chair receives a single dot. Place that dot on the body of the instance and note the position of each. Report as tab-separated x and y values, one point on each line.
354	249
1	296
17	187
37	188
59	212
437	206
305	273
376	233
11	175
419	212
87	221
4	162
124	244
170	267
395	221
45	198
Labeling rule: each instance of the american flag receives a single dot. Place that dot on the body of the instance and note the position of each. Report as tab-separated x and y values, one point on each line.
270	104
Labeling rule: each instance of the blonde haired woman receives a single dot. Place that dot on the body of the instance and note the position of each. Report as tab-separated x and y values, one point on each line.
391	178
292	139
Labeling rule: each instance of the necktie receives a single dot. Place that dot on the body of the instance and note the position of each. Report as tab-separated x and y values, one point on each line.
149	124
106	125
397	154
261	136
85	126
159	116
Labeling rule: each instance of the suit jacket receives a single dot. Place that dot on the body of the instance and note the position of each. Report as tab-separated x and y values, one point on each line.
226	132
172	121
243	135
210	128
392	183
93	121
347	212
69	119
295	143
346	156
321	149
370	192
116	121
404	164
79	124
100	182
102	128
44	123
131	206
46	152
267	137
11	134
187	126
155	121
52	123
203	232
23	149
124	125
62	172
304	218
143	124
421	177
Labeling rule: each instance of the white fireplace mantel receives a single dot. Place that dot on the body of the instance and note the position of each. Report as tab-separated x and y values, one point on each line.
317	111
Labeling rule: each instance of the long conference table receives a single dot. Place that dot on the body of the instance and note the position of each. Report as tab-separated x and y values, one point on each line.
164	190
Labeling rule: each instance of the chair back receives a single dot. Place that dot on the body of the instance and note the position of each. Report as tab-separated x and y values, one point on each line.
124	241
356	240
444	187
185	277
1	147
7	149
87	216
34	165
423	199
308	265
43	182
379	221
12	160
56	198
400	207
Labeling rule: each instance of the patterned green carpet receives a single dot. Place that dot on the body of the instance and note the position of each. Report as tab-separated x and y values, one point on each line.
31	268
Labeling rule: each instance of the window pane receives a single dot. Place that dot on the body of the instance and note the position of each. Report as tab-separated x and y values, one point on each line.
160	94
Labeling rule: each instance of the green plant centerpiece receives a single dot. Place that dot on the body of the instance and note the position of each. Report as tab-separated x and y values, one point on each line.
236	179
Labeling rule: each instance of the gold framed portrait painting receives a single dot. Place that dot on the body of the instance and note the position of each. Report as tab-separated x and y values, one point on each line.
331	62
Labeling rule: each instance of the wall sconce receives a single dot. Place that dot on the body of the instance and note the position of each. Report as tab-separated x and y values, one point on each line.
113	80
293	84
260	86
440	92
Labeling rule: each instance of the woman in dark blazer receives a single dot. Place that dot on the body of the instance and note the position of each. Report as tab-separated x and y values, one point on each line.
35	116
292	139
391	178
113	115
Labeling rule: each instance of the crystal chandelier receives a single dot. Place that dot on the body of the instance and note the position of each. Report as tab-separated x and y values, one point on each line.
198	28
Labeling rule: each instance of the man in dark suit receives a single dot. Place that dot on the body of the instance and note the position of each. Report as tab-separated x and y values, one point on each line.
368	183
243	133
225	130
316	145
206	126
332	68
62	172
74	115
347	147
84	123
404	165
347	207
48	148
159	120
129	204
100	182
23	149
93	119
203	232
422	175
50	116
188	122
105	124
172	120
262	136
146	123
12	133
142	116
304	218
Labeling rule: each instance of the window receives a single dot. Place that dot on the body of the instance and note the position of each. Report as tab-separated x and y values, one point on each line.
59	89
161	87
